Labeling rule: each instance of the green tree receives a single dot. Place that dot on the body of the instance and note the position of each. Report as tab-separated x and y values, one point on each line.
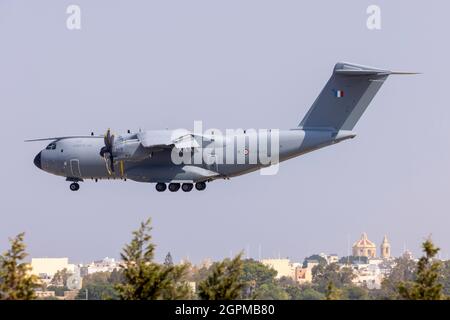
116	276
144	279
426	286
315	257
254	275
99	286
356	293
60	278
224	280
272	291
445	280
59	290
332	292
16	282
197	274
59	282
323	275
403	271
309	293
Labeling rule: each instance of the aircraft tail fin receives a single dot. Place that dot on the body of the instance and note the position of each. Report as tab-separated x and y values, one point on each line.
345	97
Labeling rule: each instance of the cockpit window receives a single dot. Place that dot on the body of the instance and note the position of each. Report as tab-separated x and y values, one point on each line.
51	146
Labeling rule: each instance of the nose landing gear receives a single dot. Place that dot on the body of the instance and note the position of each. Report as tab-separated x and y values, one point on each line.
74	186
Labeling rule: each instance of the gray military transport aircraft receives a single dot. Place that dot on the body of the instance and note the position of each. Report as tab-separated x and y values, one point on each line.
146	156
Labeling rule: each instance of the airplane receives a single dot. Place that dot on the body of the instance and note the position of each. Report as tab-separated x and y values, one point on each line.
146	156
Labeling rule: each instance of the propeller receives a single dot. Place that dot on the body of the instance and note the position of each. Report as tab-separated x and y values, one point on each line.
107	151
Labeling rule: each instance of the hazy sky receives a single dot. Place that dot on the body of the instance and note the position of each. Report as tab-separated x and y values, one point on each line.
233	64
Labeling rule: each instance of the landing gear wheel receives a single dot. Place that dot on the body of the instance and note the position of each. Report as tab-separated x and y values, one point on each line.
200	186
173	187
186	187
160	187
74	186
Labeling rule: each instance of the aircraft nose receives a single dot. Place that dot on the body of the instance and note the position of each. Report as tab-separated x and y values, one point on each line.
37	161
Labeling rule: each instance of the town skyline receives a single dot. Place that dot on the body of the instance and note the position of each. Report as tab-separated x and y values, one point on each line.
226	65
247	255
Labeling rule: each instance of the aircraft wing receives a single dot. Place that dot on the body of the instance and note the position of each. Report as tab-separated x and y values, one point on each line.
180	139
60	138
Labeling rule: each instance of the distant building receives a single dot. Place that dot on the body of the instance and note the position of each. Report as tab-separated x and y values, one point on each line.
364	247
47	267
206	263
44	294
104	265
304	275
330	258
283	267
385	249
70	294
408	255
192	285
368	275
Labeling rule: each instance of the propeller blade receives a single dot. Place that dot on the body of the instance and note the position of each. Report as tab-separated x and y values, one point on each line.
107	139
111	159
107	151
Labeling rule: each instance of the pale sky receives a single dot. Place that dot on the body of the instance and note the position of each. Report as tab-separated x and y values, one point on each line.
232	64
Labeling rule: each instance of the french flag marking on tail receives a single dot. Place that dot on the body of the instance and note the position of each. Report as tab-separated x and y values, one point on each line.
339	93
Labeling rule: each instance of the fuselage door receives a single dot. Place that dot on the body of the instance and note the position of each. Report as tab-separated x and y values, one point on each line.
212	162
75	168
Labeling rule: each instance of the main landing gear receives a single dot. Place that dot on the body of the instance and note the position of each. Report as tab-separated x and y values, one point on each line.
174	187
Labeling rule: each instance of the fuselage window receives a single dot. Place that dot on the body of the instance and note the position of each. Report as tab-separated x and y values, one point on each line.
51	146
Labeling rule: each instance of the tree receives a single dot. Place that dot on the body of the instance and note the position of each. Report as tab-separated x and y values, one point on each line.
272	291
58	284
315	257
403	271
99	286
144	279
356	293
16	282
60	278
254	275
323	275
426	286
293	290
309	293
445	280
224	281
332	292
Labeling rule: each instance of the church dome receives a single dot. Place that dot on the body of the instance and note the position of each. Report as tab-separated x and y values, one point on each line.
364	247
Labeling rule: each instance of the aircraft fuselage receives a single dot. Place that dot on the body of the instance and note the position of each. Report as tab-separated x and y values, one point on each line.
79	159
